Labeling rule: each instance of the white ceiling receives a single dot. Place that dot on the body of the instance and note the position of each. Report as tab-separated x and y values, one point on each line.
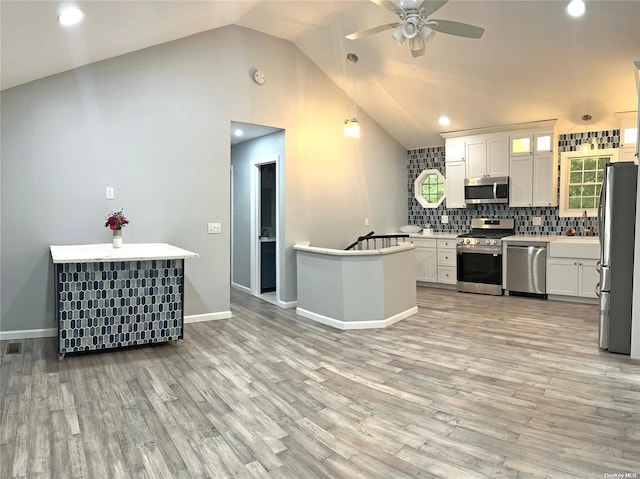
533	62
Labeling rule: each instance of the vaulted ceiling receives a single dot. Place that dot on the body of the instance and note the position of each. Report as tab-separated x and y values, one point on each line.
534	62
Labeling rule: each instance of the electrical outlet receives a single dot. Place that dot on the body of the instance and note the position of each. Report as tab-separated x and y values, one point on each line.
109	192
444	219
537	221
366	221
214	228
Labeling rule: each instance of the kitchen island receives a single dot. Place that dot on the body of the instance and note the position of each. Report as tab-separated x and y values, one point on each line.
108	298
356	289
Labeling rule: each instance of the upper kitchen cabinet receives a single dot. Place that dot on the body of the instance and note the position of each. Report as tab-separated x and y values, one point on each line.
454	184
454	149
530	143
628	136
533	181
487	156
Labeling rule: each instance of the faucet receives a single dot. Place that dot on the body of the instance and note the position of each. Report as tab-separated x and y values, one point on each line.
585	230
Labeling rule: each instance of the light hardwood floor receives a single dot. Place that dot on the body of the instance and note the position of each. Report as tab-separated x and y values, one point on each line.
471	387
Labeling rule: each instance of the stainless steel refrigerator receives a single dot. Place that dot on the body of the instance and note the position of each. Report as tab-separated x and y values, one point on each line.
617	219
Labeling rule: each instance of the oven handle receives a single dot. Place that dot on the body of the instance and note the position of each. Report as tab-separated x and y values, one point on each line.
494	252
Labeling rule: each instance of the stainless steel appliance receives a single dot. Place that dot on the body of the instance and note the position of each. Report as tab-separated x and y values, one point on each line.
616	218
479	255
488	189
527	269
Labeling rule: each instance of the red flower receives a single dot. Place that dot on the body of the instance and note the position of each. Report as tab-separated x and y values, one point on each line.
116	221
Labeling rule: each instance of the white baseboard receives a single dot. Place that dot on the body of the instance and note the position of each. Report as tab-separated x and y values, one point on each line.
287	304
28	334
241	287
198	318
339	324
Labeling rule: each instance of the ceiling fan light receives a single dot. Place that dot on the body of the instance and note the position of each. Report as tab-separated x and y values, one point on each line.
426	33
410	27
416	44
398	36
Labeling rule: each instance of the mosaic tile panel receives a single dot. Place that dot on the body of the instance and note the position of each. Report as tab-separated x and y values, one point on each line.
460	218
109	305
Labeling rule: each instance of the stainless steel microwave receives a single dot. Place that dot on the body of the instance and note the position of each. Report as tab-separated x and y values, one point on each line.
488	189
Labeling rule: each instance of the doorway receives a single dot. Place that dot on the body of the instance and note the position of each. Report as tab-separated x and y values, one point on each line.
255	211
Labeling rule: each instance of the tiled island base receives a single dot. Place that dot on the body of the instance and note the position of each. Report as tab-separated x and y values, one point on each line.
108	298
108	305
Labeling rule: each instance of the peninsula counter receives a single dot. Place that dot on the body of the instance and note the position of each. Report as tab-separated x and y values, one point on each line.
108	298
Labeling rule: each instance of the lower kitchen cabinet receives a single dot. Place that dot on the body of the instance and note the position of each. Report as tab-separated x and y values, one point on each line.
426	261
435	260
572	277
447	272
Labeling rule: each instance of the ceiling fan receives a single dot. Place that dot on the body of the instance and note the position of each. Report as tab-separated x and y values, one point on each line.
415	26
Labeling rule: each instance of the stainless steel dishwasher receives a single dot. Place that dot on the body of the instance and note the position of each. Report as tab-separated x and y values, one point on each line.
527	268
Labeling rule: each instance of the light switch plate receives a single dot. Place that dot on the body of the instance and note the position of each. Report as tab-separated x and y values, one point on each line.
445	219
214	228
109	192
537	221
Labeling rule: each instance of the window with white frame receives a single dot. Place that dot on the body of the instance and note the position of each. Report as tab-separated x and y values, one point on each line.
581	178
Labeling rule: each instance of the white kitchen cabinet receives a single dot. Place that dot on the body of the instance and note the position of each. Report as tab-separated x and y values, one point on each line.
521	144
476	157
487	156
454	184
533	181
521	181
543	142
588	278
447	261
426	259
454	149
545	180
572	277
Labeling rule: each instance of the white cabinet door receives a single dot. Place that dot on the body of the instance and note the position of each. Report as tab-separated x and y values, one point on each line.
476	157
544	181
521	144
426	264
498	156
454	184
562	276
628	153
588	278
543	142
454	149
521	181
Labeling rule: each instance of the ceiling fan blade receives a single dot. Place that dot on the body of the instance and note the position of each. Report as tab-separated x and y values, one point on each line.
456	28
371	31
388	4
430	6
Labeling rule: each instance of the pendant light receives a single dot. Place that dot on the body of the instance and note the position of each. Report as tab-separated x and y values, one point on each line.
351	125
587	144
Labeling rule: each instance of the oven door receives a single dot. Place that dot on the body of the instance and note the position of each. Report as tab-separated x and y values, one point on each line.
479	271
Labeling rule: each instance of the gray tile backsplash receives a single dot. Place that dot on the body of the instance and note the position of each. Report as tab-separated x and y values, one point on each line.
460	218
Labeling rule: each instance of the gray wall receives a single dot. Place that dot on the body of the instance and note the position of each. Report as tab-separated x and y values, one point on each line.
242	155
155	125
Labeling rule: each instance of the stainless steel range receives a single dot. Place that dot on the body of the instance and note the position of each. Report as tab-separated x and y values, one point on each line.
480	255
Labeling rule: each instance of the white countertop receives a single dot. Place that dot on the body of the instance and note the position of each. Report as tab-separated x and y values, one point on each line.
549	238
353	252
437	235
96	253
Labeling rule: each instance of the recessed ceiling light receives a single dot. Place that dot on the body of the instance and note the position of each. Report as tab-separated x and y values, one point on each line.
70	16
576	8
444	121
238	132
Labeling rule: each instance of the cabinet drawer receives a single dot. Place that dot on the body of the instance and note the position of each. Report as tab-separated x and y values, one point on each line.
447	275
447	243
447	257
424	242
